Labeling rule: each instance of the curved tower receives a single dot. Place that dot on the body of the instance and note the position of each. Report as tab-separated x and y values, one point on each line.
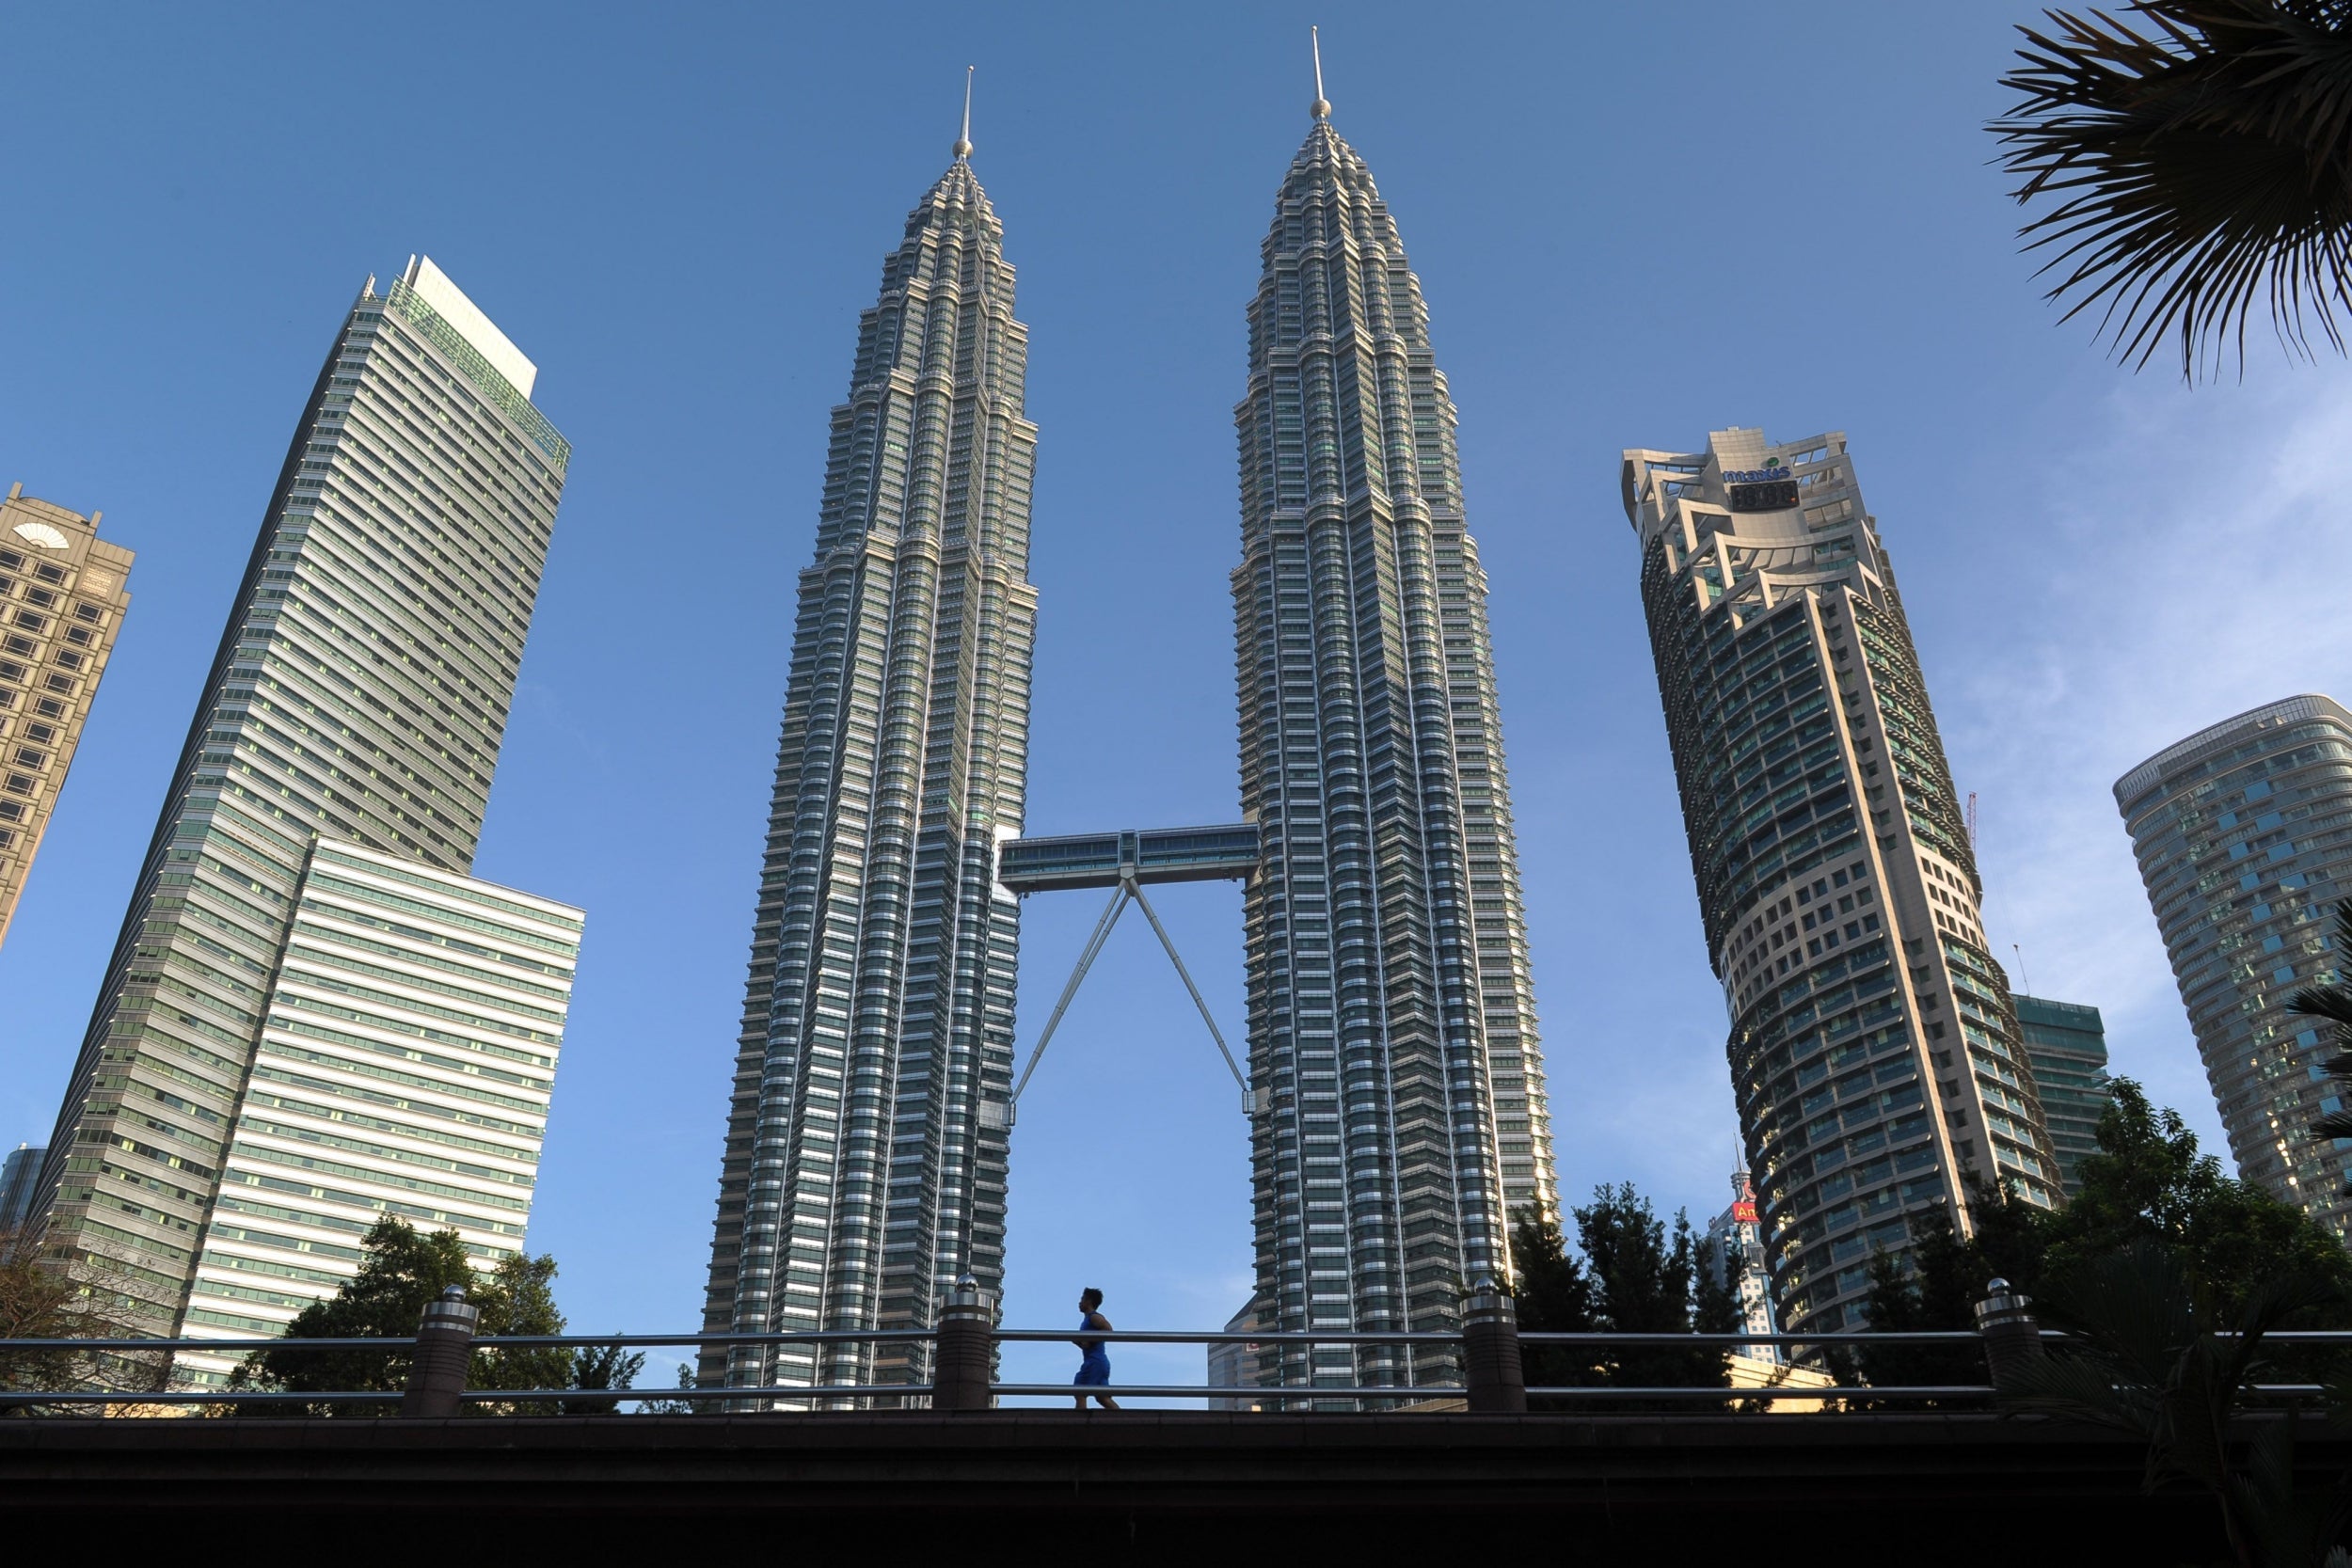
1393	1041
858	1181
1875	1053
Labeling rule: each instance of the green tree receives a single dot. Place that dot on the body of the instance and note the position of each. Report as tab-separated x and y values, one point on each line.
1552	1295
2152	1356
2148	1180
519	1297
2147	1185
1938	1287
1642	1283
2200	154
401	1270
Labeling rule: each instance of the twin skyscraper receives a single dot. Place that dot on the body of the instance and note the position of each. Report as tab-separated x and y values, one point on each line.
1397	1105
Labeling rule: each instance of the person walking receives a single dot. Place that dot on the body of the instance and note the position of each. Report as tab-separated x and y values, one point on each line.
1095	1370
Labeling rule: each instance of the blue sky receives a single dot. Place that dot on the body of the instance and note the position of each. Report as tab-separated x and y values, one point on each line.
1633	224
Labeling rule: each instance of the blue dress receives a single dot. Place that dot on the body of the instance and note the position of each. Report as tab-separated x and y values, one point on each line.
1095	1370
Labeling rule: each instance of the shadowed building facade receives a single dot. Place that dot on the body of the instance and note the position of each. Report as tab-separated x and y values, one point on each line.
1393	1056
359	692
859	1177
2244	837
2067	1044
61	606
1875	1055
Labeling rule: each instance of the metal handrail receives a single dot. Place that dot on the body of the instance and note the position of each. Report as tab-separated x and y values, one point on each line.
1063	1336
1284	1393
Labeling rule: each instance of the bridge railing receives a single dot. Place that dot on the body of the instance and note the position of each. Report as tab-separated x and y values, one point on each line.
1486	1361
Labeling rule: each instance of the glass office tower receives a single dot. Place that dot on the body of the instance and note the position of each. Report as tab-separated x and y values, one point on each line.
2244	836
859	1179
61	606
359	693
1875	1055
1393	1037
2067	1045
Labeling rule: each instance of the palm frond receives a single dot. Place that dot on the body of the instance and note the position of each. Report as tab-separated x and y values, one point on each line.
2200	154
2331	1002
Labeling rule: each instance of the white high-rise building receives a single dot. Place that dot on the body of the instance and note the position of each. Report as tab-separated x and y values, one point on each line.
359	693
403	1068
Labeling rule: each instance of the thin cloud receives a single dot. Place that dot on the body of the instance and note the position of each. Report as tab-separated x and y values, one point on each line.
2181	576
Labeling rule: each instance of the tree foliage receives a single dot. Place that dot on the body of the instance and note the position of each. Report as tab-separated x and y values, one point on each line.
2154	1357
401	1270
1632	1275
2147	1185
2201	154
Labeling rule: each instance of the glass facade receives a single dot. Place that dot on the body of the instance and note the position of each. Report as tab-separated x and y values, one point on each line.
1392	1035
1874	1053
359	693
860	1177
2068	1047
404	1065
2244	837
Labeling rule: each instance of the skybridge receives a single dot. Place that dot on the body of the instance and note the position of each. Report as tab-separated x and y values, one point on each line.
1126	862
1148	856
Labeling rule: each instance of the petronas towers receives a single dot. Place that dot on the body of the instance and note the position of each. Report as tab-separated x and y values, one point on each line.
1397	1105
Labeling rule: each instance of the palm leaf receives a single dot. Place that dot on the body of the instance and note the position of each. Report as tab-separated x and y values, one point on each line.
2201	156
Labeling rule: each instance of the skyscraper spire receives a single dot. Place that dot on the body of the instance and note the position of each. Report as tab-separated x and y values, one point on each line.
1321	107
962	149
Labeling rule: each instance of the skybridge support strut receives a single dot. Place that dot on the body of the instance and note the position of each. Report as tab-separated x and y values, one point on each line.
1124	862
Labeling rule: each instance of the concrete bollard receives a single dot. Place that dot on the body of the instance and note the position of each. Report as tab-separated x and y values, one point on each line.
1491	1366
444	1350
963	1361
2013	1339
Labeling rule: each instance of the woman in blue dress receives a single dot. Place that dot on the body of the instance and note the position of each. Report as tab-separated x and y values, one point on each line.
1095	1370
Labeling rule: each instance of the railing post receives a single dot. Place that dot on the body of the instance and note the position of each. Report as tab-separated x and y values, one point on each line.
1492	1368
444	1350
2013	1339
963	1359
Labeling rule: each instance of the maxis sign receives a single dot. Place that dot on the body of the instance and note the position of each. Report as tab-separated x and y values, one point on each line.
1770	488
